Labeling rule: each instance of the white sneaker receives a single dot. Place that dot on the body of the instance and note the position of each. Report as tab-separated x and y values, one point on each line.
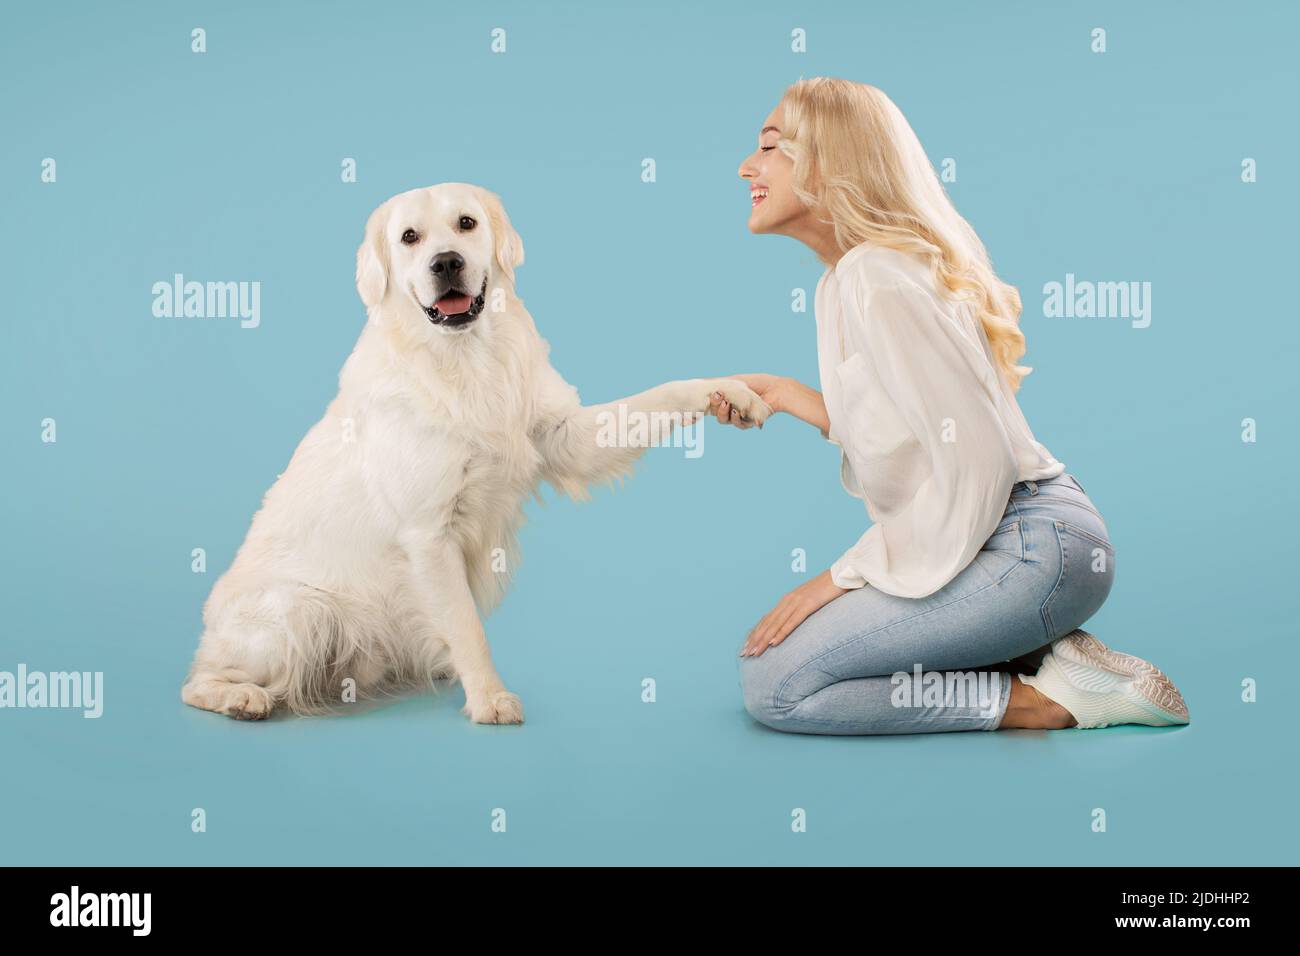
1100	687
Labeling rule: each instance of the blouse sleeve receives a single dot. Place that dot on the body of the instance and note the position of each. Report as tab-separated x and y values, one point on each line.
940	388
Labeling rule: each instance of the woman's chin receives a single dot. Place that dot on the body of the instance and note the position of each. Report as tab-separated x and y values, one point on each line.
766	221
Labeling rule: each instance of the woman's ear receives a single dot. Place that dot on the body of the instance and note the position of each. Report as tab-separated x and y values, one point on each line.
372	259
509	247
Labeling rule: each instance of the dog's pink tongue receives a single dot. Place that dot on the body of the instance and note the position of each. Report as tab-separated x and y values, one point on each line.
453	304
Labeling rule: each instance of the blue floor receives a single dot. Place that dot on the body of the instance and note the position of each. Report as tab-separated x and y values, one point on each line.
596	775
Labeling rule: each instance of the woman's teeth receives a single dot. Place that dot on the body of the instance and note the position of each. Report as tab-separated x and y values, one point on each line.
756	196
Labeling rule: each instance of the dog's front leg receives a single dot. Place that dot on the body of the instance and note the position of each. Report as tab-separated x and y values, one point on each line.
441	589
585	444
692	395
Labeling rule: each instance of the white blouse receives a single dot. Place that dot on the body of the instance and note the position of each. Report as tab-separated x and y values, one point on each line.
930	433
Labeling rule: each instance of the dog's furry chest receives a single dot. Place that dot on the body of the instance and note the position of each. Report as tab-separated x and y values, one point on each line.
496	473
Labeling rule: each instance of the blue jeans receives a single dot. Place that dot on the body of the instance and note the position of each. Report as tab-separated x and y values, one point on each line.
872	663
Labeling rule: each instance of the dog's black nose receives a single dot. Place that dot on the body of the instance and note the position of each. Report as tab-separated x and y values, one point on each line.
447	264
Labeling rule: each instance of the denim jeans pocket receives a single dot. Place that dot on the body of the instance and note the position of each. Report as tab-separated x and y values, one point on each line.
1003	552
1070	499
1087	575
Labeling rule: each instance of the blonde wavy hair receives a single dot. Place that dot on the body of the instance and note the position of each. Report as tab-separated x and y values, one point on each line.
857	157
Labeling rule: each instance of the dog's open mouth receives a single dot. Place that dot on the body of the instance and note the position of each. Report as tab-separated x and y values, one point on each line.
456	307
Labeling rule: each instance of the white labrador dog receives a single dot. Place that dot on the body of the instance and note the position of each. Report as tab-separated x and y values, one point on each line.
372	556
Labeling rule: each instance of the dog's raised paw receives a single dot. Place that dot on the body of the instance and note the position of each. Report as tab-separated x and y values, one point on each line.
501	707
745	400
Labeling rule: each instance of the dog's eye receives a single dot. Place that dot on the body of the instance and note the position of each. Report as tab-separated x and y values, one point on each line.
410	237
466	223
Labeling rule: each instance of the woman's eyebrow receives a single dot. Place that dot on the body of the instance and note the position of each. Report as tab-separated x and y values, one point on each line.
768	129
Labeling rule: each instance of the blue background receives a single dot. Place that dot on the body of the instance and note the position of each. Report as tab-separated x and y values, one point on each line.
225	166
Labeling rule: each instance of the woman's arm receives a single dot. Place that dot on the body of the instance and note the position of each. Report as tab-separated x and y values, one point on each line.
782	395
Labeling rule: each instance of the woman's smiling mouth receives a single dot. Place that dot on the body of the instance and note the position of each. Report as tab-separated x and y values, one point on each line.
757	194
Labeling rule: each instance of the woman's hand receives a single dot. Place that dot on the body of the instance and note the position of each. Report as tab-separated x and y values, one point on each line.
791	611
782	395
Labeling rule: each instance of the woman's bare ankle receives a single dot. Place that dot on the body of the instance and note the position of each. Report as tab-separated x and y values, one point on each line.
1029	708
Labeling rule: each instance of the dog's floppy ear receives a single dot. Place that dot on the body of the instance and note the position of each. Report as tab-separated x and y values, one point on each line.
372	259
509	247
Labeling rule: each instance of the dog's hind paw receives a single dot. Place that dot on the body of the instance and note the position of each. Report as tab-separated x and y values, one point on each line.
242	701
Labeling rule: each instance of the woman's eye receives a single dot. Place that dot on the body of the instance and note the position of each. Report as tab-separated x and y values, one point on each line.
466	223
410	237
764	149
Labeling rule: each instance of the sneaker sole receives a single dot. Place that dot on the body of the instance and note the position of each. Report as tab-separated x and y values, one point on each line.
1148	682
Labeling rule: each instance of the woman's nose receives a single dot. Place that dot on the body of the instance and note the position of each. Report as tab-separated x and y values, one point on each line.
746	167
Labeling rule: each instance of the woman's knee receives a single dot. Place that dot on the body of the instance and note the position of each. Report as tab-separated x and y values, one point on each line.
761	682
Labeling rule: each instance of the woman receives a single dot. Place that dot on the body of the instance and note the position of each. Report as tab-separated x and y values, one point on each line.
983	548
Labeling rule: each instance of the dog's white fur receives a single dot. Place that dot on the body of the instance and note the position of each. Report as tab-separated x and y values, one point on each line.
372	555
